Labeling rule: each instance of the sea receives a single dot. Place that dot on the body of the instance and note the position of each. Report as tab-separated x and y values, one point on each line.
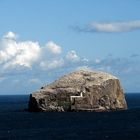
16	123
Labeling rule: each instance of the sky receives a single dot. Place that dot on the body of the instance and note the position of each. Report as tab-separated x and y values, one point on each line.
40	40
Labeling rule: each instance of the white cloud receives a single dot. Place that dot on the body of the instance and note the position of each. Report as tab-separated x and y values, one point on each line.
72	56
85	60
15	53
19	53
97	60
27	53
52	64
24	55
10	35
108	27
53	48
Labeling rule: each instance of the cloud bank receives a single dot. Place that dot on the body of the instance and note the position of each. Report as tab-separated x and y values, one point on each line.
53	48
110	27
28	54
26	65
72	56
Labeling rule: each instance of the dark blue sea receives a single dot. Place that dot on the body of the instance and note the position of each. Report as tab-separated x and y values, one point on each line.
17	123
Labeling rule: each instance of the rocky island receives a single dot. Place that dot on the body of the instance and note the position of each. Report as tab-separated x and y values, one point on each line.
82	90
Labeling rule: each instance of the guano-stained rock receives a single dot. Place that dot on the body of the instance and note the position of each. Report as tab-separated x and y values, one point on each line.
82	90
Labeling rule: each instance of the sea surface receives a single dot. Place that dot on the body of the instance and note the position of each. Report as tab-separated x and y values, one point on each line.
17	123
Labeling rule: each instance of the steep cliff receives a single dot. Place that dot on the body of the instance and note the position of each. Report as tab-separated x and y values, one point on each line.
82	90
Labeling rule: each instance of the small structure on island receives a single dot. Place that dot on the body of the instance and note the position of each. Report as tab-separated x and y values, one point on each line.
82	90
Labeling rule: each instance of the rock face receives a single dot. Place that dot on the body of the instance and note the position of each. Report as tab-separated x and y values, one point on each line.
82	90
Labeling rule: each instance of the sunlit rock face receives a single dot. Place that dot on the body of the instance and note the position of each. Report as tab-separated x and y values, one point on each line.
82	90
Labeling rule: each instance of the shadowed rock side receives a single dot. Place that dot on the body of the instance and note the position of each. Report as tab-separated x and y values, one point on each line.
82	90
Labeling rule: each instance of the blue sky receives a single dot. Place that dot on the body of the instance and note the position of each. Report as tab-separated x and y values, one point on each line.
42	40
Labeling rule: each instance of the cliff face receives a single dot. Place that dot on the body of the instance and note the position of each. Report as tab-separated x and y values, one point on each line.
81	90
